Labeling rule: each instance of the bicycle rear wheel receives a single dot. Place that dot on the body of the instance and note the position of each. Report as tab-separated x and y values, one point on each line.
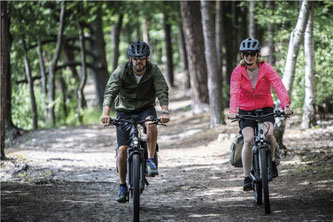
264	178
136	187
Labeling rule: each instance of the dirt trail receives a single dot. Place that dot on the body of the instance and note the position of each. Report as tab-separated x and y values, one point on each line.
69	174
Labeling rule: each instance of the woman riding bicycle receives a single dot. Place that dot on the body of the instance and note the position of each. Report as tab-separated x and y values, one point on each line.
250	89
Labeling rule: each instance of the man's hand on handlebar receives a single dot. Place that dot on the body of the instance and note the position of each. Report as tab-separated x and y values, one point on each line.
165	118
106	120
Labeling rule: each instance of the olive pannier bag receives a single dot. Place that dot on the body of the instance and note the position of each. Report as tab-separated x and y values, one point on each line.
236	152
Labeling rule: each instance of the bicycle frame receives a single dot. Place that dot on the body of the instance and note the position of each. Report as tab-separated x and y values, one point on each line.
135	148
260	142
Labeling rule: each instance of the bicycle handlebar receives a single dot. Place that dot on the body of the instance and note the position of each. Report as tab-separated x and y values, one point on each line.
277	113
154	120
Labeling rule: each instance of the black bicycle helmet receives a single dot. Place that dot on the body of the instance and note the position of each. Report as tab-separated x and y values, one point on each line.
138	49
250	44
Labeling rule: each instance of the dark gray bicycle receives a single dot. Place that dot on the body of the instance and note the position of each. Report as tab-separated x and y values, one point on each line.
262	172
137	155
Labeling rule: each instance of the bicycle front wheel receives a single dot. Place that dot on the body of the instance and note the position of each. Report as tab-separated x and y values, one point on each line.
136	187
264	178
258	192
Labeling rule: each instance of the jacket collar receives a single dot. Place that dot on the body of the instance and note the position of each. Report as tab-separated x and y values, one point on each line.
260	73
145	75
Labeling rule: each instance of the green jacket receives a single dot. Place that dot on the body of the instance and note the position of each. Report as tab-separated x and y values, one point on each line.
128	95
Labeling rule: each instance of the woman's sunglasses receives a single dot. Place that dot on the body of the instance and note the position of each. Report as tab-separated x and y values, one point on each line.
252	53
138	57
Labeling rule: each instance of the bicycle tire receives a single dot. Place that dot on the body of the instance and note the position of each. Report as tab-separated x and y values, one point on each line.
264	179
136	186
257	187
156	160
257	192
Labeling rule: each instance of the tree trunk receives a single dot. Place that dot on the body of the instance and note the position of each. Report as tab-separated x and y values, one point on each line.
145	31
43	77
252	22
183	56
195	53
218	35
63	90
31	86
168	46
116	29
229	40
289	73
309	117
83	78
271	34
70	57
4	61
101	73
138	31
11	131
54	64
214	73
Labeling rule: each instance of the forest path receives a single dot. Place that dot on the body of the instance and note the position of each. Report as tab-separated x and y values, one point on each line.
69	174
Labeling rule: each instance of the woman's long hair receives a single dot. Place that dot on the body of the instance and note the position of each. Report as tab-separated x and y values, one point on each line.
259	60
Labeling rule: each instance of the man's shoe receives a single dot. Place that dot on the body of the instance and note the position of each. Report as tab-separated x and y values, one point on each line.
247	184
151	168
275	171
123	194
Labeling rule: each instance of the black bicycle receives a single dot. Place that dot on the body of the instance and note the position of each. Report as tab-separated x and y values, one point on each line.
262	172
137	155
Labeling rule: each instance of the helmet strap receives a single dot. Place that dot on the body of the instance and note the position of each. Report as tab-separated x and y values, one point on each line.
248	64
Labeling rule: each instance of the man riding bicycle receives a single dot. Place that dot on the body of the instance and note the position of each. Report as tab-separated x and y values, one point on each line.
250	89
133	88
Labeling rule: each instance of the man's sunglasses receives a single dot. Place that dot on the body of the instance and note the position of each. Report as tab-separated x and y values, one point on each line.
138	57
252	53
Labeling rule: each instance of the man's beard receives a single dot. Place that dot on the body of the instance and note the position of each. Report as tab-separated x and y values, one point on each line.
140	70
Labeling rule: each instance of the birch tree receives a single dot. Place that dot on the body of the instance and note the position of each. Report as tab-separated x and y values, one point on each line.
289	74
214	73
309	118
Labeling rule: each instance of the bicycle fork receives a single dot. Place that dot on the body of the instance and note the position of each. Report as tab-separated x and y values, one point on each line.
255	173
130	153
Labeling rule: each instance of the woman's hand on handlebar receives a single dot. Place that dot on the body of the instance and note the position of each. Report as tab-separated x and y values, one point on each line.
232	116
288	111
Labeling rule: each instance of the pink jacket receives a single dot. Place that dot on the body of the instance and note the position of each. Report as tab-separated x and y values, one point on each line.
244	97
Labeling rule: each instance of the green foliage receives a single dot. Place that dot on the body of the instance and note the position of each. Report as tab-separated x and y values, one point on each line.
30	20
284	16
